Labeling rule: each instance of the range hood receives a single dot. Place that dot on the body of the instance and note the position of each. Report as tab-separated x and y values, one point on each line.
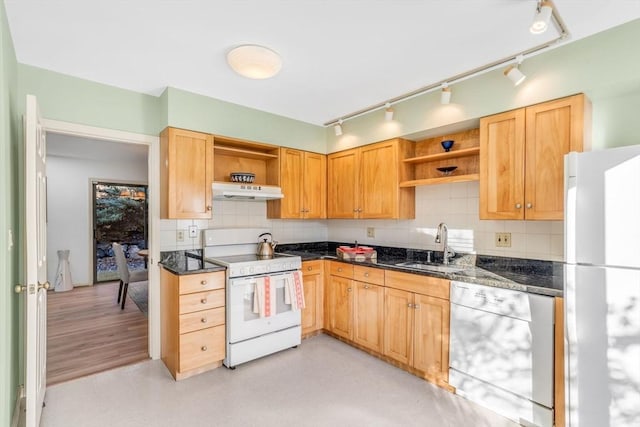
232	191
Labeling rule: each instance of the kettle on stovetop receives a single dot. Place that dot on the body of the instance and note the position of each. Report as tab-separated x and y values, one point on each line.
265	249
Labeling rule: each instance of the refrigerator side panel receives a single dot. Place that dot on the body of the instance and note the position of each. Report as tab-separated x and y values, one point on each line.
603	346
606	225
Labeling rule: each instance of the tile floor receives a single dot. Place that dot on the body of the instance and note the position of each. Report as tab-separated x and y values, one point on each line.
323	382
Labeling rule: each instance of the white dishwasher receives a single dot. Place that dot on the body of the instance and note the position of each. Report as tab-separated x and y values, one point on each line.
501	351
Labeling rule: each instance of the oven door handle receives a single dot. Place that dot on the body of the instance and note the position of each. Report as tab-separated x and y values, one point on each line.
275	279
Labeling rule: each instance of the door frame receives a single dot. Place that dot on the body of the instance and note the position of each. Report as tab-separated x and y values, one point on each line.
92	241
153	182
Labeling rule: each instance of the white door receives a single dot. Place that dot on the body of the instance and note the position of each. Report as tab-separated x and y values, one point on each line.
36	264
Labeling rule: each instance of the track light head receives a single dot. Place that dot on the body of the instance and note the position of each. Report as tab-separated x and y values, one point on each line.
445	94
388	112
337	128
541	20
514	73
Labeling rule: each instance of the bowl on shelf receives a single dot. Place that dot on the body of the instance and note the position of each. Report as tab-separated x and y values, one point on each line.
247	177
447	144
446	170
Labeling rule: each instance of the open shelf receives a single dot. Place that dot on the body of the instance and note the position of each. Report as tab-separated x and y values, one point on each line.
441	180
243	152
443	156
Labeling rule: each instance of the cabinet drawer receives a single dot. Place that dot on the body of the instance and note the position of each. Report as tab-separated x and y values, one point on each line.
425	285
201	319
191	283
312	267
341	269
201	301
201	347
368	275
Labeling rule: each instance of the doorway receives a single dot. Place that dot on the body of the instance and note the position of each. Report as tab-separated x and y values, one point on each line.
120	214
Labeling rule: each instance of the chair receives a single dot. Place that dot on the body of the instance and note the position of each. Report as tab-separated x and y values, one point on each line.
126	276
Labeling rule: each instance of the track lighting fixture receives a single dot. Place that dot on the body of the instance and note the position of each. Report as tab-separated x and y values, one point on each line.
514	73
388	112
445	94
338	128
541	20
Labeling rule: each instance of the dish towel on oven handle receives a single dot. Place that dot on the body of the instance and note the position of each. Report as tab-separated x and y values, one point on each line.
294	291
264	302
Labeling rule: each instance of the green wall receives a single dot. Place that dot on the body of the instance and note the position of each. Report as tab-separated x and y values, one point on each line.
70	99
9	272
606	67
191	111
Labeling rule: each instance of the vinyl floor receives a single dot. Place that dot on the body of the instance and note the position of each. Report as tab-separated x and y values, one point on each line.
323	382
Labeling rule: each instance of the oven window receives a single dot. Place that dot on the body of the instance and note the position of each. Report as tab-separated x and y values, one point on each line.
281	307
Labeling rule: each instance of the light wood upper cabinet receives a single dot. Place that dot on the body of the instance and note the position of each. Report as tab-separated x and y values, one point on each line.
313	313
365	182
522	158
186	174
303	179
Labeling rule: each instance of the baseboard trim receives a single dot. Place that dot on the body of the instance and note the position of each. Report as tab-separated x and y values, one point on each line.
17	410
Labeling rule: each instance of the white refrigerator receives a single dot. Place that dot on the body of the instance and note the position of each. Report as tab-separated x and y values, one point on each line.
602	288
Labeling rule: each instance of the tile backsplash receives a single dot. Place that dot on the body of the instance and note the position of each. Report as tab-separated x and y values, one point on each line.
455	204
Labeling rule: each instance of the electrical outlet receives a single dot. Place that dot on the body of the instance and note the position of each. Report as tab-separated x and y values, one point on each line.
180	235
371	232
503	240
193	231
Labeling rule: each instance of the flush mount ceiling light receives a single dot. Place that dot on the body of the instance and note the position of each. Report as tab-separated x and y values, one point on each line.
445	94
514	73
254	61
388	112
338	128
541	20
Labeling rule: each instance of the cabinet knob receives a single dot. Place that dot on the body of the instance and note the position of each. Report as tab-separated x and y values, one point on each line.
355	209
203	320
366	286
529	205
203	282
518	205
340	269
366	274
203	300
203	348
409	305
416	306
348	289
309	268
208	207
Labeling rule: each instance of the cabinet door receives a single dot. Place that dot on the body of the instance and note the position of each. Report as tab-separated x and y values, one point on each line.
379	181
313	314
368	324
340	306
398	325
342	184
186	174
431	337
502	139
553	129
314	195
291	180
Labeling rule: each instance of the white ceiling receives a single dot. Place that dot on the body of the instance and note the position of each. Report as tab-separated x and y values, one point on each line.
339	56
92	149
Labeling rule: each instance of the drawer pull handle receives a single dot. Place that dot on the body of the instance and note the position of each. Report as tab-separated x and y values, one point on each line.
309	268
340	269
366	286
203	348
203	282
203	300
203	320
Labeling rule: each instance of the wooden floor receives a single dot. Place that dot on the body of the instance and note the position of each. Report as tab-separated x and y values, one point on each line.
87	332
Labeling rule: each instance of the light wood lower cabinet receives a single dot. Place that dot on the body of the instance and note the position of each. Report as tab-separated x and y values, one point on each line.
192	322
340	306
368	315
313	313
416	327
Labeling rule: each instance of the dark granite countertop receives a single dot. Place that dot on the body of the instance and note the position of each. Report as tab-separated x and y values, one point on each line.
187	262
534	276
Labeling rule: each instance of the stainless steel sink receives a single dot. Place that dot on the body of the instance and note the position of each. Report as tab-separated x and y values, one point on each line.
431	267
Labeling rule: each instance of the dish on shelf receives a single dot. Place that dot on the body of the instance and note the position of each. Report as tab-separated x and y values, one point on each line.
247	177
446	170
447	144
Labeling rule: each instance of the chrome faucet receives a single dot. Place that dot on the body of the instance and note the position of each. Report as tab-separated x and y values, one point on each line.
442	237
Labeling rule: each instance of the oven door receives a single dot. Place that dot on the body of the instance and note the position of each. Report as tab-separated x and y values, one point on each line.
243	323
